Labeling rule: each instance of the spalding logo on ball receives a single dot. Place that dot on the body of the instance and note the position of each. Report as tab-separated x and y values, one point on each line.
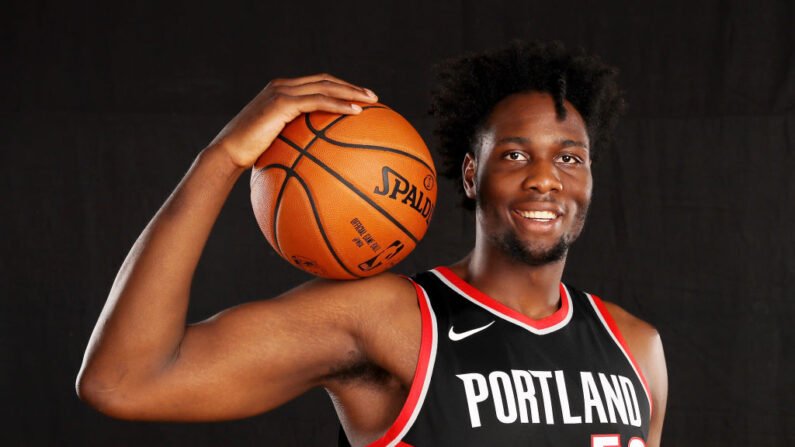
345	196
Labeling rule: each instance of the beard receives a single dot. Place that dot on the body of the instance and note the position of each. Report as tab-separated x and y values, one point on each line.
529	253
533	253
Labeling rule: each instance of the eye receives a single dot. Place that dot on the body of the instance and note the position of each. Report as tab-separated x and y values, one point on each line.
514	156
569	159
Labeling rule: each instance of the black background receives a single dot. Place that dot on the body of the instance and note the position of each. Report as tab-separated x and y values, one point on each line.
105	107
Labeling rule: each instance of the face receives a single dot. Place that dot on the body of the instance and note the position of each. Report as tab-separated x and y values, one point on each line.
531	178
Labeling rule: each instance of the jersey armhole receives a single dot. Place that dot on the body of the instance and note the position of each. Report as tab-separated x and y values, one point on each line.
422	375
615	333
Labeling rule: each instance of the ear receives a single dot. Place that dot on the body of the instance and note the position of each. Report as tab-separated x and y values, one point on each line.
468	170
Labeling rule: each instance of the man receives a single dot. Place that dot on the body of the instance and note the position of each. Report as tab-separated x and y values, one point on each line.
493	350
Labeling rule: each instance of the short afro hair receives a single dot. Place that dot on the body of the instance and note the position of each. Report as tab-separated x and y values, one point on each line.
471	85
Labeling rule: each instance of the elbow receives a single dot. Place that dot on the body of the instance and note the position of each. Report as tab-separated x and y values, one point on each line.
108	400
87	388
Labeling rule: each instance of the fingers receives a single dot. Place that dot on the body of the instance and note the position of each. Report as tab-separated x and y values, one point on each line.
321	83
332	89
255	127
317	92
318	101
310	79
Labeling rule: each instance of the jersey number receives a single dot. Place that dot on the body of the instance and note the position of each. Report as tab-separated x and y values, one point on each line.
614	441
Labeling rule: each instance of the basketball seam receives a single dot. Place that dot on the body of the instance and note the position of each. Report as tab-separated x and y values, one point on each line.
355	190
292	174
288	173
322	135
277	206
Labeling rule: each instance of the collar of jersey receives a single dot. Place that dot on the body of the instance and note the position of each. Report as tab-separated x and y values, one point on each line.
543	326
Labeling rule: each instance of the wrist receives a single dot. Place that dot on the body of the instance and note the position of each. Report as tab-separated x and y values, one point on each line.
219	157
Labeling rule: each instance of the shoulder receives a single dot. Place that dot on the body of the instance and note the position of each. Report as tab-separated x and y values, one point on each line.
357	305
360	294
645	345
643	339
329	306
383	301
382	315
635	331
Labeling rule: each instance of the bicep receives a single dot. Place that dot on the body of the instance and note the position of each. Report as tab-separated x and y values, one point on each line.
645	344
252	358
656	373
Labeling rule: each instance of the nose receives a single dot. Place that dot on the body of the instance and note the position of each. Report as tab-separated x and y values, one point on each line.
542	176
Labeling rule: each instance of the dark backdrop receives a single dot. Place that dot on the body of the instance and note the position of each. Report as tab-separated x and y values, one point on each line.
104	108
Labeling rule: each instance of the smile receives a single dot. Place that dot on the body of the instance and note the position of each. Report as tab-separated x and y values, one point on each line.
543	216
537	221
540	216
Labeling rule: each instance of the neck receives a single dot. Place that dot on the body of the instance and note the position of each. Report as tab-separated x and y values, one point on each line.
527	289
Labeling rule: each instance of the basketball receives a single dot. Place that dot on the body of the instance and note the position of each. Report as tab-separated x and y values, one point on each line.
345	196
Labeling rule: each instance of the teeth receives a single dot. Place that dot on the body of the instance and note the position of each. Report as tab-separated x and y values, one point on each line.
542	215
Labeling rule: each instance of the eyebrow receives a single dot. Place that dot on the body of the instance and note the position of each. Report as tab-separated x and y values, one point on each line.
525	141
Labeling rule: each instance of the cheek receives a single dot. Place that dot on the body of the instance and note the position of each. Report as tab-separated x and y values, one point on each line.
588	193
491	192
585	185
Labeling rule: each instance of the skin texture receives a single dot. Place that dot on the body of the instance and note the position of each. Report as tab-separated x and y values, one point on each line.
358	339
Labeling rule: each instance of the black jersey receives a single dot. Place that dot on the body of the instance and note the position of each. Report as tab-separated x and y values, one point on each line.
489	376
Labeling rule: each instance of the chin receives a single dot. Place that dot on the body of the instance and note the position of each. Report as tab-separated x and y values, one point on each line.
533	254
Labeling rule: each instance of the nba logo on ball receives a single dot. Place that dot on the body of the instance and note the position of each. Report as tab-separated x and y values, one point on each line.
345	196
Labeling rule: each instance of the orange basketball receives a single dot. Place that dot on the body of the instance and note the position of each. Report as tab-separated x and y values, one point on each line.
345	196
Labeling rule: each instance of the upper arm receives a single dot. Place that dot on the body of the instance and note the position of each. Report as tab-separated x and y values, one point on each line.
646	347
257	356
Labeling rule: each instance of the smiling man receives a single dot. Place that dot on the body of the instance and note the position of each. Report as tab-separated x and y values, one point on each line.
492	350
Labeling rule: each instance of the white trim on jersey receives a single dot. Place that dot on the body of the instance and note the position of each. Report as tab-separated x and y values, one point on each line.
623	351
428	373
508	318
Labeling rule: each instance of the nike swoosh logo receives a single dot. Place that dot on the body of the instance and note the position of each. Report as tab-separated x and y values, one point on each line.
456	336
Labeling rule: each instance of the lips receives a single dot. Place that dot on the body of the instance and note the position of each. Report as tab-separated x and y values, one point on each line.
538	210
538	217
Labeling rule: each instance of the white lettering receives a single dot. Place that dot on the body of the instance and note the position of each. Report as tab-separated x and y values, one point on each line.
631	400
564	400
507	413
614	398
516	395
590	396
542	377
606	441
474	397
525	394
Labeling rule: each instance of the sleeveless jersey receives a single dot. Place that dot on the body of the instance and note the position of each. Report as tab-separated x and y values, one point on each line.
489	376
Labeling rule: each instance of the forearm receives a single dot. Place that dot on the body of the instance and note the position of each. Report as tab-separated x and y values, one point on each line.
142	323
141	362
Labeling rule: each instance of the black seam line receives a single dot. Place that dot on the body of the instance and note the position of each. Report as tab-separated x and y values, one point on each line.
322	135
292	174
312	141
321	132
289	173
281	189
314	131
359	193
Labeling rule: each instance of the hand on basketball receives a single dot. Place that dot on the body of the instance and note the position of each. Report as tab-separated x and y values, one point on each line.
255	127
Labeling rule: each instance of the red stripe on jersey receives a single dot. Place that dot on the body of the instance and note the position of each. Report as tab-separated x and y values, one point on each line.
614	329
488	301
421	374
